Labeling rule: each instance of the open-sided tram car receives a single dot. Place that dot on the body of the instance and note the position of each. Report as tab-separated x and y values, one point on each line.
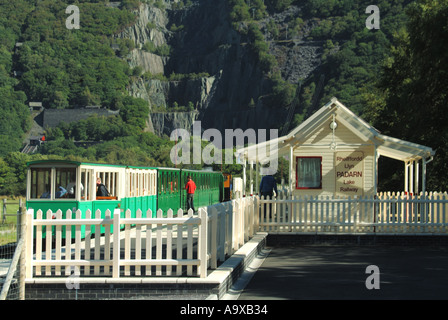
64	185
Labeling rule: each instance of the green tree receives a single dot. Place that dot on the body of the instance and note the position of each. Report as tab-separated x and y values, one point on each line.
240	10
134	112
412	89
8	180
17	163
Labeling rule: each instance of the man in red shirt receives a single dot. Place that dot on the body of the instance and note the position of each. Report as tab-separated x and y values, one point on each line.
190	187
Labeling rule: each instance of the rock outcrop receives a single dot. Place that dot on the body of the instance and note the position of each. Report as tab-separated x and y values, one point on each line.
166	122
219	74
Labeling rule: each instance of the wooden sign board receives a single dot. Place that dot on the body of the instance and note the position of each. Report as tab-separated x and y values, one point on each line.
349	170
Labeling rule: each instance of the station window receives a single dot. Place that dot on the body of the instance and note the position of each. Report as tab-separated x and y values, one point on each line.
309	173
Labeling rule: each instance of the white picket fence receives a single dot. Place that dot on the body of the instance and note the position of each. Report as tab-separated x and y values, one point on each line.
176	245
384	213
188	245
231	225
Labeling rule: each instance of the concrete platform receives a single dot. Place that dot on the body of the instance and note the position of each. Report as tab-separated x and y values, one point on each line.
338	272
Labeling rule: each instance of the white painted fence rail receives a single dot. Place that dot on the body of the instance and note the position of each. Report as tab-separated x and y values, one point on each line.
231	224
145	246
187	245
176	245
384	213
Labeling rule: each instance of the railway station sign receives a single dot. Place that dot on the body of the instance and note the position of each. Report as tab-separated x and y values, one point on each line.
349	170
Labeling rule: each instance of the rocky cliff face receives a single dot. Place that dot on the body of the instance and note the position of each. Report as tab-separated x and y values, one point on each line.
228	89
208	43
165	123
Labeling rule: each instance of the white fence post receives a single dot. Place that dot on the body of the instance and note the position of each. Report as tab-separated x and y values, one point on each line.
116	245
256	213
29	244
212	215
202	242
221	231
228	227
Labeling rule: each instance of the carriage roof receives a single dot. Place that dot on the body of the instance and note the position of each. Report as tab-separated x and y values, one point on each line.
79	163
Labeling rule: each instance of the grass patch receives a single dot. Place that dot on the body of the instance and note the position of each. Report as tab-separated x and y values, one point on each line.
8	227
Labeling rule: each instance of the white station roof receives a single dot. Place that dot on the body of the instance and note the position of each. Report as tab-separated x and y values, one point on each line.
386	146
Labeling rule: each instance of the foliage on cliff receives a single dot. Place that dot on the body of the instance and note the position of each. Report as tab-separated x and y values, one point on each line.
351	56
394	76
44	61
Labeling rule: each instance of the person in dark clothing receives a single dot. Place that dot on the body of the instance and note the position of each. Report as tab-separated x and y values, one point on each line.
101	190
190	187
267	187
61	192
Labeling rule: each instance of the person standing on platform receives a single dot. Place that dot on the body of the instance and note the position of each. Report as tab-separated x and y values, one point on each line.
190	187
267	186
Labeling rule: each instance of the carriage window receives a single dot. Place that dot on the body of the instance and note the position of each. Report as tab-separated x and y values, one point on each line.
169	187
135	184
86	182
139	185
149	184
160	183
65	183
40	183
154	183
106	185
131	184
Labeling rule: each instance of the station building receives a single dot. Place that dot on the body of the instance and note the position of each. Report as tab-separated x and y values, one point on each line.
335	153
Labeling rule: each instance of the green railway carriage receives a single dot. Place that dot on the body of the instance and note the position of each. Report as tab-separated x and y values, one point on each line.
141	190
72	185
171	188
209	187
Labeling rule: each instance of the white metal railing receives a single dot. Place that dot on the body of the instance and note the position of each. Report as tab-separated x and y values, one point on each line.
384	213
176	245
